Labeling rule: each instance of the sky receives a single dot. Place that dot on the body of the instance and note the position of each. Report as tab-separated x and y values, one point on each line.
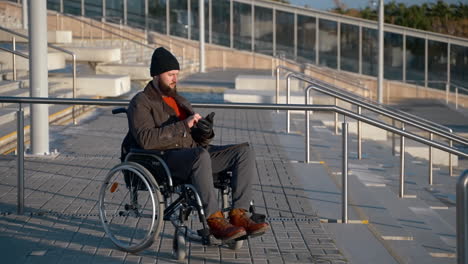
328	4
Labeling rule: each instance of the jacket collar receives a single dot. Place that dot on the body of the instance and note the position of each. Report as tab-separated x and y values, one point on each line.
152	91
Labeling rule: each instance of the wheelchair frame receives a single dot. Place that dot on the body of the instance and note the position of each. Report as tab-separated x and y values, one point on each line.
177	211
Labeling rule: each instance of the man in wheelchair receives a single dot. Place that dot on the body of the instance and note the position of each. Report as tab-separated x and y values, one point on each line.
160	119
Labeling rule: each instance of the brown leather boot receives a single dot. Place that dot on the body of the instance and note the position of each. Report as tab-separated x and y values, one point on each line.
238	217
222	229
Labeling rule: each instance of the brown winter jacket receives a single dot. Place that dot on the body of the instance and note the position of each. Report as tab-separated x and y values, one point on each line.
154	125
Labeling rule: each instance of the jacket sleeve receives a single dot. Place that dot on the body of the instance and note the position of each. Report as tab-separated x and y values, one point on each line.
150	135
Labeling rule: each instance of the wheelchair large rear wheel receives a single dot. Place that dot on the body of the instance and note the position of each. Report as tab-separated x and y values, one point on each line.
131	207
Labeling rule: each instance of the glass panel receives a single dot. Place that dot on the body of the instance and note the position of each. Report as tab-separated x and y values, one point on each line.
327	43
53	5
263	30
220	22
157	16
136	13
437	64
349	48
306	38
393	56
242	26
114	11
415	60
195	26
458	67
370	51
93	8
72	7
179	18
285	34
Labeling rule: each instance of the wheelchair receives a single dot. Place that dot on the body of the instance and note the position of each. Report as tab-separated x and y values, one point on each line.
139	194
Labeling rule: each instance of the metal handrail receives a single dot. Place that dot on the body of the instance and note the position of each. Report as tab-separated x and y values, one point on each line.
362	100
109	31
59	49
462	218
357	84
15	52
380	109
345	112
396	115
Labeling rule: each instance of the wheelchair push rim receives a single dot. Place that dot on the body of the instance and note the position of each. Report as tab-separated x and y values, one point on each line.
131	226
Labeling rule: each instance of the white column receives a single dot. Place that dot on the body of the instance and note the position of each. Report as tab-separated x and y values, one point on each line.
380	77
25	14
38	76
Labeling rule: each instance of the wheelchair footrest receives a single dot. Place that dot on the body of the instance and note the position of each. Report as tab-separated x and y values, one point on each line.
258	218
206	238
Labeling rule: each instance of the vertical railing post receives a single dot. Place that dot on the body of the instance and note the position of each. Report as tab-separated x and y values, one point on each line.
74	88
450	160
456	97
344	192
336	117
288	92
359	124
393	139
307	139
431	137
20	158
13	43
277	84
462	218
402	164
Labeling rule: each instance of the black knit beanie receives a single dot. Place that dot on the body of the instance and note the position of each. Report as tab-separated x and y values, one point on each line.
163	61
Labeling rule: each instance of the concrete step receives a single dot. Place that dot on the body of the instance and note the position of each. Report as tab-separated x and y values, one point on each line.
6	86
53	36
14	93
105	85
55	60
8	74
95	54
421	151
136	71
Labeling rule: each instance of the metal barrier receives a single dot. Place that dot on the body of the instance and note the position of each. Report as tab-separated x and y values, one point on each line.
53	47
462	218
420	123
345	112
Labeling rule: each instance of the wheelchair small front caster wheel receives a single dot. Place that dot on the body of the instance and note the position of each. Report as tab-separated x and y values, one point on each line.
235	244
179	247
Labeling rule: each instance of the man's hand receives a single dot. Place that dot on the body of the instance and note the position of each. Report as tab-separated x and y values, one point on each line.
192	120
206	124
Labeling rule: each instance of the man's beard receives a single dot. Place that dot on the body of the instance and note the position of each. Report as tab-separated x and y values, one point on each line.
166	90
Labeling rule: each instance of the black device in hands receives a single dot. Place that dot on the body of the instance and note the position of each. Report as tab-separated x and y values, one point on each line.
205	125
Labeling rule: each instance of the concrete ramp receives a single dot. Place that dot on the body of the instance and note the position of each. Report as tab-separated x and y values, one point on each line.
139	72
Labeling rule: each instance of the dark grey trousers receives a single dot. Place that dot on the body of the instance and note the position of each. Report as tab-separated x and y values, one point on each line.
197	165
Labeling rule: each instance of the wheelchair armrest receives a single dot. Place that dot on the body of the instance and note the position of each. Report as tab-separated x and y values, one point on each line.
119	110
154	154
147	151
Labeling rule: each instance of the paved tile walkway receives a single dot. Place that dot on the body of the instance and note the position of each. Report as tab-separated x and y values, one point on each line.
61	224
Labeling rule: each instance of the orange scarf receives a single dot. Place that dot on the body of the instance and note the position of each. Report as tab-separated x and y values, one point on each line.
180	113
